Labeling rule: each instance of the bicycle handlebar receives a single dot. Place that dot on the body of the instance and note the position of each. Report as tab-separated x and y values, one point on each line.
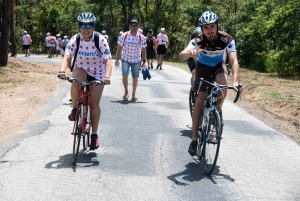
238	93
86	83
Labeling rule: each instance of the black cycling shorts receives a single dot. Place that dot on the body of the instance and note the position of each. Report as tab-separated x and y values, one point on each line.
204	71
161	50
150	54
191	63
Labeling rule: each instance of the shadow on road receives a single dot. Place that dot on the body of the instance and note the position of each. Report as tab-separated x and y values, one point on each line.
195	172
123	102
66	161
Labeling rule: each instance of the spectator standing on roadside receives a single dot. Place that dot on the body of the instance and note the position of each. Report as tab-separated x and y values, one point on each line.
47	43
26	42
58	44
161	44
64	43
105	36
130	45
52	45
150	48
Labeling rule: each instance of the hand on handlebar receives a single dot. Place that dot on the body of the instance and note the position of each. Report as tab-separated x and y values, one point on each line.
62	75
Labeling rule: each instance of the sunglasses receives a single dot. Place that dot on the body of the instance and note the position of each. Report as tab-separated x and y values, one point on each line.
134	26
88	26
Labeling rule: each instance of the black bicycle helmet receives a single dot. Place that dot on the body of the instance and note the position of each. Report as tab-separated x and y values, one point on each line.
196	32
86	18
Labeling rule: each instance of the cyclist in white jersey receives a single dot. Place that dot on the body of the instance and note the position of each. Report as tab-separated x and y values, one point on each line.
90	65
209	53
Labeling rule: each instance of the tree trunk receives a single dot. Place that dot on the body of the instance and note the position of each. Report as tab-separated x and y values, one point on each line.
12	30
4	34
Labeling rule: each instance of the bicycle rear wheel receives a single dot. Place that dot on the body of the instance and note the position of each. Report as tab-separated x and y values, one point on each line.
212	142
77	133
86	137
191	101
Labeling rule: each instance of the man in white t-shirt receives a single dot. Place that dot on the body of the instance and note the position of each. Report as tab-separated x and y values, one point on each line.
26	42
47	43
130	45
105	36
58	44
161	44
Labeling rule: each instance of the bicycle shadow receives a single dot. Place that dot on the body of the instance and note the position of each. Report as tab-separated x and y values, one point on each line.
66	161
186	133
195	172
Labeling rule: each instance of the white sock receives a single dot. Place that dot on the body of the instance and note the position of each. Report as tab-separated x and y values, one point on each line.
94	133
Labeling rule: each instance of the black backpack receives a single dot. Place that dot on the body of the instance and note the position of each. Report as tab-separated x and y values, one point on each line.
96	38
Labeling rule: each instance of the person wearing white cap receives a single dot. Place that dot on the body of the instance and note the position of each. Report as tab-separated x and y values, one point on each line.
58	44
162	42
105	36
26	42
47	43
64	43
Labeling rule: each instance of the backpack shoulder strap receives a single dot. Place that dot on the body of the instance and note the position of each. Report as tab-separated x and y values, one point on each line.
96	38
126	34
77	48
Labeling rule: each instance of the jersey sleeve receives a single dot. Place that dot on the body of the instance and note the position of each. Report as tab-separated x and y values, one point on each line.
231	47
104	47
192	44
121	39
71	47
143	42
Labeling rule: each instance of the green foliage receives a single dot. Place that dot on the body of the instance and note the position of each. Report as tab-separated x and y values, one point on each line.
267	32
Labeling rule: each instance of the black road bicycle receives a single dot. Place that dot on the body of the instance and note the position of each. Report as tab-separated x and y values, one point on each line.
209	133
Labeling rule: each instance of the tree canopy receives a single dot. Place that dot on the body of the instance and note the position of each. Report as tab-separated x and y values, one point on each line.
267	32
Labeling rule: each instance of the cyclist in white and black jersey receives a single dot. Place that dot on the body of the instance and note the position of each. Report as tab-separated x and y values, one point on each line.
209	55
90	64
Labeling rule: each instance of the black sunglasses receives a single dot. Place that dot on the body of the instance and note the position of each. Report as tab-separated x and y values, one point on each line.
134	26
88	26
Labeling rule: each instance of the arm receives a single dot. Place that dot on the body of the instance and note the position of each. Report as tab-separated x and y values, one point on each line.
107	63
190	51
118	55
144	56
235	67
66	62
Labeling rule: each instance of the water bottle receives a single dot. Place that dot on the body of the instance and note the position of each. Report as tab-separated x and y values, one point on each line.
205	116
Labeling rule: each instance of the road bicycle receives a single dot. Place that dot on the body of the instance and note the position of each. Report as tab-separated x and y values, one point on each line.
82	124
210	131
192	96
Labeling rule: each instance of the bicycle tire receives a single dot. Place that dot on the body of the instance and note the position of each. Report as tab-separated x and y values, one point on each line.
86	137
200	150
191	101
212	142
77	134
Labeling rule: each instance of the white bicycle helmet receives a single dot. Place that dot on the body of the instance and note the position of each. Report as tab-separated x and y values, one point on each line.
208	17
86	18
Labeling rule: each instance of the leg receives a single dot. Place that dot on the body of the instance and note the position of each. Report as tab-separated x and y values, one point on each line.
125	72
94	103
196	116
135	75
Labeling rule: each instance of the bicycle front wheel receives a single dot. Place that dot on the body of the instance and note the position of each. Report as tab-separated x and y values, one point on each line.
77	133
212	142
191	101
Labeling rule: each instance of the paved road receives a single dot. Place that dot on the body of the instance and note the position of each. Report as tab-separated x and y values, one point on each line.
143	151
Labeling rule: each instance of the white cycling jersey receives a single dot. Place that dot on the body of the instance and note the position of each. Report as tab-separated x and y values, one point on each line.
88	57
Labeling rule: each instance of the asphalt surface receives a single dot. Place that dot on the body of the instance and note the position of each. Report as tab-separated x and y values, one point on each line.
143	151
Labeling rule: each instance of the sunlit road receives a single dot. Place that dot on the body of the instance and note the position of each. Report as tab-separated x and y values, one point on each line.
143	151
